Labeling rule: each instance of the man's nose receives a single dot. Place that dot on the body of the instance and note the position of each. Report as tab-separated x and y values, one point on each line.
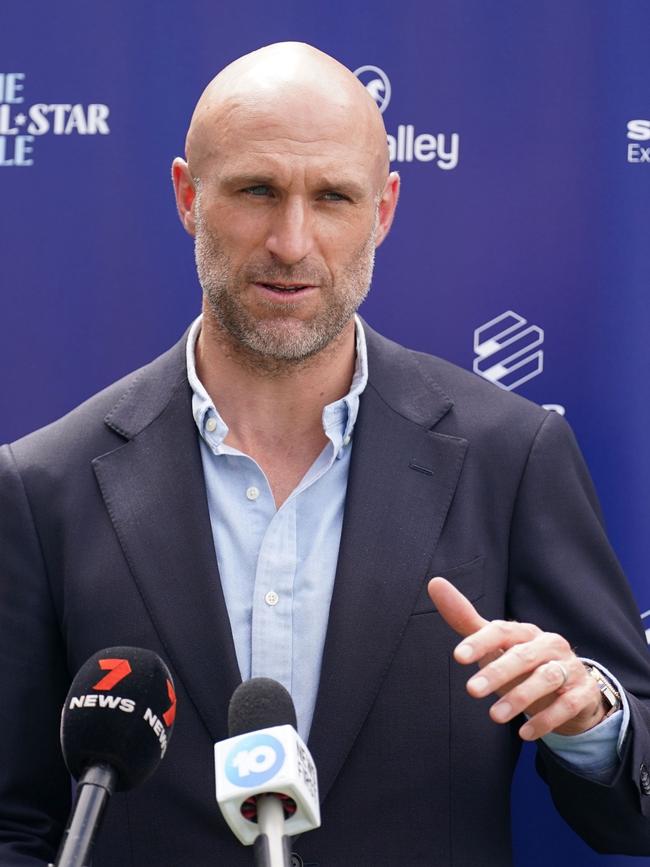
290	238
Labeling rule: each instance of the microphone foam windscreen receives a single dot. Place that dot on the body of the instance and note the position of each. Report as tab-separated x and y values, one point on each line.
120	711
259	703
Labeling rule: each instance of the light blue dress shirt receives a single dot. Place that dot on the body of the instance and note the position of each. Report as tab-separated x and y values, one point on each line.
277	566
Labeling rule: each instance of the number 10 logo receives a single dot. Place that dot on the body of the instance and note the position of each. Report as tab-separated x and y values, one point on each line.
254	760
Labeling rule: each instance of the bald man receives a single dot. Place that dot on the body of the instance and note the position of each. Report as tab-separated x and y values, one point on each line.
273	497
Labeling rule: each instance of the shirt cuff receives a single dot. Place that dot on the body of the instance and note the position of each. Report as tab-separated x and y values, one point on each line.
595	753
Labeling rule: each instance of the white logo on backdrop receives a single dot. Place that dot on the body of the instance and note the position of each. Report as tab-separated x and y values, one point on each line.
638	131
376	83
21	124
507	352
407	146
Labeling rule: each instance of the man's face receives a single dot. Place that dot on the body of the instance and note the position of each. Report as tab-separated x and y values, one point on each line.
286	224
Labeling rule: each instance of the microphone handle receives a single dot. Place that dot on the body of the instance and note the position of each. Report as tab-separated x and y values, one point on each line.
94	788
271	847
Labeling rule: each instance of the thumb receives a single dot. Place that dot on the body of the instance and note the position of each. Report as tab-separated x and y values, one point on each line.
455	608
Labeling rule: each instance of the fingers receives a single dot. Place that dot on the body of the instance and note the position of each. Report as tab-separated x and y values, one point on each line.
545	682
541	677
557	695
494	636
455	608
571	712
521	659
523	665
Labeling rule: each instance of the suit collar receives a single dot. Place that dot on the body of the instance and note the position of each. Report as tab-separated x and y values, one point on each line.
150	391
394	372
403	383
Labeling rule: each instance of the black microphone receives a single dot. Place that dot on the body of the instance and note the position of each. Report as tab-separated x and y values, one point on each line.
266	778
260	703
116	724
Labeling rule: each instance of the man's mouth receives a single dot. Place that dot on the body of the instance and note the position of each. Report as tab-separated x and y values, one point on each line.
285	287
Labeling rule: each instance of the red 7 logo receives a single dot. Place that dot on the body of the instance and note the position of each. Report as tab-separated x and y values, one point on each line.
118	669
170	714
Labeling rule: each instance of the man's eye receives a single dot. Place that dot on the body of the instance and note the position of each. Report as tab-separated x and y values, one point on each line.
332	196
258	190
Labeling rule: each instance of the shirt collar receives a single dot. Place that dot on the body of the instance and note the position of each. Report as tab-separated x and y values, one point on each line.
338	417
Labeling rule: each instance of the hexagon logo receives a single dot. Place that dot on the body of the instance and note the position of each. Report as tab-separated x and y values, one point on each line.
507	352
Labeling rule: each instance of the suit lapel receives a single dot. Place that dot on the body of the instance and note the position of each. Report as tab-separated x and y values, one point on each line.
402	480
154	491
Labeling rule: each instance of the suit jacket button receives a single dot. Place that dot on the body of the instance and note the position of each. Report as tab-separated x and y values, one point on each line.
296	860
644	778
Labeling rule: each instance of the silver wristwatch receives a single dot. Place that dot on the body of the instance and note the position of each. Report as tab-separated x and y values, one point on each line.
609	693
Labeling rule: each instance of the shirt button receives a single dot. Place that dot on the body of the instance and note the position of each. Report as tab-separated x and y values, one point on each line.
346	440
271	598
252	493
211	424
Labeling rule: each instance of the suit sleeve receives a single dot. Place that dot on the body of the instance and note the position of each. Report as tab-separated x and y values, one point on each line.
564	577
34	784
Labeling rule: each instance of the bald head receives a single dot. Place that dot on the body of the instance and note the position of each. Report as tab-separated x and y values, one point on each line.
289	83
287	193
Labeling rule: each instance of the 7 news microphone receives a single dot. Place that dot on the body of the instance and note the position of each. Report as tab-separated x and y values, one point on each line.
266	779
116	724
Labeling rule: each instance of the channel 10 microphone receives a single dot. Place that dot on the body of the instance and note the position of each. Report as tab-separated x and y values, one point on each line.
267	788
116	724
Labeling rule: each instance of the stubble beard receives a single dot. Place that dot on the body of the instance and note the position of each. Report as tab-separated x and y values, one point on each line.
279	341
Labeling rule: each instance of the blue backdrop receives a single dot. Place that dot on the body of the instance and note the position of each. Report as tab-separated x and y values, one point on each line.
522	134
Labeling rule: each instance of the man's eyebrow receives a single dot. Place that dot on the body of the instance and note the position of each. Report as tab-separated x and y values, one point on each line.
252	179
243	180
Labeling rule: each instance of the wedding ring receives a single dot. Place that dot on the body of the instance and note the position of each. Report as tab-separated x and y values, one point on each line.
565	673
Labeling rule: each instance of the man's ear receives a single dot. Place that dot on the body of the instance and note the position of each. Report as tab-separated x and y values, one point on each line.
387	205
185	192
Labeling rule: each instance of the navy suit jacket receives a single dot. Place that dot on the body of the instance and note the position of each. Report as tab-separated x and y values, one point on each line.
105	539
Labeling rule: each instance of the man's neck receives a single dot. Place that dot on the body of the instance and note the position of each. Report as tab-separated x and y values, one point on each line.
274	415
